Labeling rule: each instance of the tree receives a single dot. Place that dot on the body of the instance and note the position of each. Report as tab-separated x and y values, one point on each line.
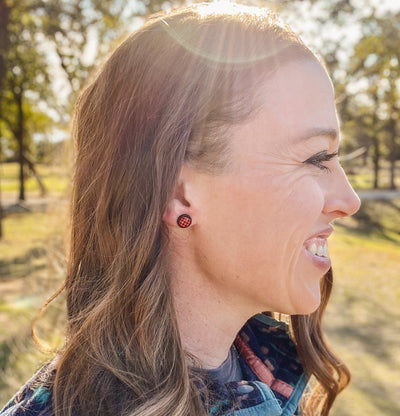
25	84
70	33
69	30
360	47
81	33
375	61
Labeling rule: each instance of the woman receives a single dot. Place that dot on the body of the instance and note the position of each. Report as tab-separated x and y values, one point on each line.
206	182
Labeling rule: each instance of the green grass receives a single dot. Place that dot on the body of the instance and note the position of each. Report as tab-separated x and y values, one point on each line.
362	320
31	269
363	317
54	178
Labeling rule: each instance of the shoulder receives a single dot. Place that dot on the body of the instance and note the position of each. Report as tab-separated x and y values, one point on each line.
34	398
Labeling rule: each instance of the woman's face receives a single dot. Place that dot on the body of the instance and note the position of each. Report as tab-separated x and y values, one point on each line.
260	230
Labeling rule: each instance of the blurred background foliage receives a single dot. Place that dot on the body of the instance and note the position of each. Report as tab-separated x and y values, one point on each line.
48	51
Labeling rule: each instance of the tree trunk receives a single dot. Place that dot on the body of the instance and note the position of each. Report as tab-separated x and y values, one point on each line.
392	174
1	205
376	156
4	43
393	151
366	154
20	140
31	166
4	38
376	159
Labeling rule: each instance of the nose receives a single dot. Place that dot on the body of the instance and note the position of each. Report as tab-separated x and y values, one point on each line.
341	199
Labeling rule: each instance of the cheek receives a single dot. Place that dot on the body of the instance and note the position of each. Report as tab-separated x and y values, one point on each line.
292	212
276	216
290	200
259	217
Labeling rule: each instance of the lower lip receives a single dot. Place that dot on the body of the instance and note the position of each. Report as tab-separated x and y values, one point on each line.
322	263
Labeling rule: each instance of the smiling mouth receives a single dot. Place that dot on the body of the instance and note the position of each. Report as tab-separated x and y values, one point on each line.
317	246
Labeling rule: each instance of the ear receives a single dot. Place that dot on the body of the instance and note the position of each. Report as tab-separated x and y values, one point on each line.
181	199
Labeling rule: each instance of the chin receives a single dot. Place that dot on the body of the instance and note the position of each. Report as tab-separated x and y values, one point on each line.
304	308
305	301
308	306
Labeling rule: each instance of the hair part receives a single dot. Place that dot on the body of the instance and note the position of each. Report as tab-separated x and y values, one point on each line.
167	96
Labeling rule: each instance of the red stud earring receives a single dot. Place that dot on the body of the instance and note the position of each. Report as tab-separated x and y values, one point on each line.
184	221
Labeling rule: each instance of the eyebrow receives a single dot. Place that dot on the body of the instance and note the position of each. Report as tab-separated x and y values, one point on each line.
332	134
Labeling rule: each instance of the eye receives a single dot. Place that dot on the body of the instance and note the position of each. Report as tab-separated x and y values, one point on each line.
320	158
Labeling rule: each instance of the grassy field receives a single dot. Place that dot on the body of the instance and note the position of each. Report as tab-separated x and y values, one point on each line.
54	178
363	318
362	321
31	268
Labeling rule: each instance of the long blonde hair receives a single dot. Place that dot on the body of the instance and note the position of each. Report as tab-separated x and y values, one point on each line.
164	97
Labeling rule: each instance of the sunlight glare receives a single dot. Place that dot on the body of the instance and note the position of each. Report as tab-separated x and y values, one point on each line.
222	51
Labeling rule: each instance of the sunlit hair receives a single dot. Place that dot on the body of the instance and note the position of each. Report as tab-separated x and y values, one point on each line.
167	95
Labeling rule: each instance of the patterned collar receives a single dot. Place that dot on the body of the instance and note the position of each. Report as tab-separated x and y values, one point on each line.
274	378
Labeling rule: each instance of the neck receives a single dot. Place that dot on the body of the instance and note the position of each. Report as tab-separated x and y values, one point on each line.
208	323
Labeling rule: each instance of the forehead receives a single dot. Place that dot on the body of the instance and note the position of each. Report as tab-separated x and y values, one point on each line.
299	97
296	102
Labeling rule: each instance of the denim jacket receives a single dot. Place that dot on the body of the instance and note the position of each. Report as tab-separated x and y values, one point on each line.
273	383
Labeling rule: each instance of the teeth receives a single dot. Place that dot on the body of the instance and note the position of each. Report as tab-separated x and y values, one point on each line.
321	251
313	248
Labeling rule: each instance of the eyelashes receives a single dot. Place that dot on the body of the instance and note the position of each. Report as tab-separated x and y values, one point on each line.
319	159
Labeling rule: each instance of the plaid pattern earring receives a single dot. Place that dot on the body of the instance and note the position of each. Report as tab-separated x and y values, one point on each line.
184	221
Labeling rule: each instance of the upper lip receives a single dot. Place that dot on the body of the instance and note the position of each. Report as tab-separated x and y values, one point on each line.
323	233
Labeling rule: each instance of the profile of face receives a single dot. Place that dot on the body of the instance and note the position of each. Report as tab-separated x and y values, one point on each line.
260	229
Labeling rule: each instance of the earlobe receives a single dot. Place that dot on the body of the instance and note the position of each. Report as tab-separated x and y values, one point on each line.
177	207
173	211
